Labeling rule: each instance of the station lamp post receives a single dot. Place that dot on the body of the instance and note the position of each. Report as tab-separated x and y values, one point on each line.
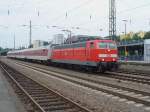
125	33
30	33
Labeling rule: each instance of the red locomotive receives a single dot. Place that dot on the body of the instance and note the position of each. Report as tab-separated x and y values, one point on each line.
102	55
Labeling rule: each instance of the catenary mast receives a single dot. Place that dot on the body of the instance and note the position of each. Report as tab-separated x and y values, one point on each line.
112	19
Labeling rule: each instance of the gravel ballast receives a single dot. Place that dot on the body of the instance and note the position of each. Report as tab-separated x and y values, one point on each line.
94	100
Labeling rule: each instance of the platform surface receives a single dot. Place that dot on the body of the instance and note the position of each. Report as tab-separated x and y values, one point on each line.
8	100
135	62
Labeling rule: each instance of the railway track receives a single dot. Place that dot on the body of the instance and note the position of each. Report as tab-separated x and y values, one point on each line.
130	94
138	72
129	77
40	97
123	76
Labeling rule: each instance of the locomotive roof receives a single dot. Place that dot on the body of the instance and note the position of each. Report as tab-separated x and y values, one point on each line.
81	38
98	40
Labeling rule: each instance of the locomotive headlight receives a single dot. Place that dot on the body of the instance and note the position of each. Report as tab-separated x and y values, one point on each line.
103	59
114	59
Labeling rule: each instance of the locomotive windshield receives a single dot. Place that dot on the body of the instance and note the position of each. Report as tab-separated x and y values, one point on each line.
112	46
107	45
102	45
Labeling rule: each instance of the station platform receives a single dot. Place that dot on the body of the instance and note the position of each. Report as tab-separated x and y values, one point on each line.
8	99
135	63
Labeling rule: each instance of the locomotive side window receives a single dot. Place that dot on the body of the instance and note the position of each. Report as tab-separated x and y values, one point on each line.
79	45
102	45
76	45
83	44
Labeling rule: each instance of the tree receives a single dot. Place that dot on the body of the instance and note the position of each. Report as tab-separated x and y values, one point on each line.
136	37
147	35
1	48
118	38
126	37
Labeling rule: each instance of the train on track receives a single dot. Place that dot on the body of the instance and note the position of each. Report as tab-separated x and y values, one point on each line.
98	54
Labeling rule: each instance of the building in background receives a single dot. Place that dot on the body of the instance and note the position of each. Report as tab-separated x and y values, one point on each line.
39	43
58	39
147	50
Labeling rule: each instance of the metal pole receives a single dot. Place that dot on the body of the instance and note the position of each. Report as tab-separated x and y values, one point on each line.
30	39
14	42
125	39
125	26
149	22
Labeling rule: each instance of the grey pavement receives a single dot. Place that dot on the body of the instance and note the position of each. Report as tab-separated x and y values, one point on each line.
8	100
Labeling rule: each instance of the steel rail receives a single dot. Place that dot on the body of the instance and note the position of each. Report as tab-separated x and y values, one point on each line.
138	72
120	94
126	77
95	81
73	105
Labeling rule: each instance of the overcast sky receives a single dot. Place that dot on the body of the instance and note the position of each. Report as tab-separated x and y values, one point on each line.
89	15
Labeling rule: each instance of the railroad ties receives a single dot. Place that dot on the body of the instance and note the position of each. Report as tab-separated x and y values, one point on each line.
41	98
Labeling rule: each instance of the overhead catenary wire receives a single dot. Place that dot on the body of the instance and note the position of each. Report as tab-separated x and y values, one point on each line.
134	8
89	1
71	10
106	17
119	12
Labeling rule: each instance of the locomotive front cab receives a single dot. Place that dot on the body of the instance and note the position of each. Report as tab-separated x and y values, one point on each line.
107	55
107	51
